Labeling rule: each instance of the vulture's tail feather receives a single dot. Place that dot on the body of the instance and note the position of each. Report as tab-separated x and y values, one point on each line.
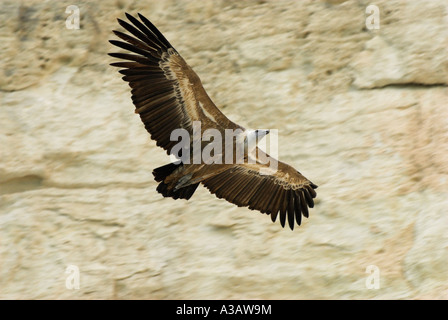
161	173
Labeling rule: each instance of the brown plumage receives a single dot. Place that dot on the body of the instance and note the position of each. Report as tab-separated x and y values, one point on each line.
168	95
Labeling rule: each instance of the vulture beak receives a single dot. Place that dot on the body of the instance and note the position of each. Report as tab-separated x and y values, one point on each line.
261	133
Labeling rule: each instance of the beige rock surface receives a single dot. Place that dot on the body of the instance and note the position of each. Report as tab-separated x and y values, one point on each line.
362	113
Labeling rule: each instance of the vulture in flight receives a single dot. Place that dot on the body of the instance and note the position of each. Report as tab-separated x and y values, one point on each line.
168	95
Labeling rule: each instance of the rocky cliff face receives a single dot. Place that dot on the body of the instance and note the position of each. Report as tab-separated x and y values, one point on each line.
363	113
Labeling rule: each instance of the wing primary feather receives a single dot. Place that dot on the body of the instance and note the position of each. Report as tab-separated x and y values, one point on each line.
128	65
298	208
271	205
311	191
284	208
266	199
144	78
137	42
281	199
275	202
145	29
291	215
162	88
274	216
133	57
156	31
308	198
134	31
148	38
141	71
303	204
272	199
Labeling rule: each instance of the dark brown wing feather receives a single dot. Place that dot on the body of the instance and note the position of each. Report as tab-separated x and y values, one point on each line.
285	193
166	92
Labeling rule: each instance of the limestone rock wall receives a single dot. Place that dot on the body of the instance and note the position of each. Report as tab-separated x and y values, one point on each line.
362	113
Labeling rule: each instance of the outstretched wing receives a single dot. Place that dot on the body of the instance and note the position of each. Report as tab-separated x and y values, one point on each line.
166	92
283	191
